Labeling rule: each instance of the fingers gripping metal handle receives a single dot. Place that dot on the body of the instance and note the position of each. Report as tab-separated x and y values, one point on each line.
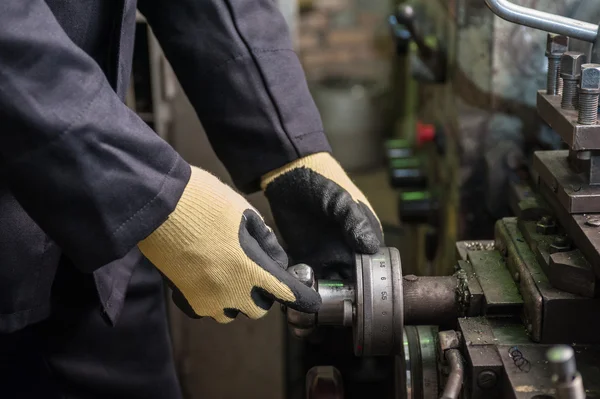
337	302
302	324
543	20
371	304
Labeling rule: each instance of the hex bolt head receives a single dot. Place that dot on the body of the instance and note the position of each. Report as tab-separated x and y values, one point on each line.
556	44
546	225
570	72
304	273
570	64
590	78
487	379
588	91
560	244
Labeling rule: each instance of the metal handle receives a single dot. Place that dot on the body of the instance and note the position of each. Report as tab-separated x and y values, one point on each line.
543	20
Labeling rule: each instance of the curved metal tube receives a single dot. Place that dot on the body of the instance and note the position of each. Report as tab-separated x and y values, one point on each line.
455	378
543	20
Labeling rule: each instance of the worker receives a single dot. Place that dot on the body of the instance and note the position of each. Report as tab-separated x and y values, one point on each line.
97	211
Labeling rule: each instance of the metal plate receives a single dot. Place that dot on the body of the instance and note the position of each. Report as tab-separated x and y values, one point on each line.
476	298
571	189
480	352
500	291
564	122
518	255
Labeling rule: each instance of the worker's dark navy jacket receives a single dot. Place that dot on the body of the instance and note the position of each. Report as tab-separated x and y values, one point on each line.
84	179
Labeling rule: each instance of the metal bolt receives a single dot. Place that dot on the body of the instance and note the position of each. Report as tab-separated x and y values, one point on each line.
562	362
546	225
304	273
556	46
487	379
583	155
570	72
589	90
560	244
593	222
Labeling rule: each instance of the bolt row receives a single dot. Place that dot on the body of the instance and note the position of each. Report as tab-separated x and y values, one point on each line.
572	78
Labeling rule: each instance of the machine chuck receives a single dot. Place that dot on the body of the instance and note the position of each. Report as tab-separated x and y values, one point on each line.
373	302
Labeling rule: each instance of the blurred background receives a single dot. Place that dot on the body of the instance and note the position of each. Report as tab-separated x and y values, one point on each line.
430	106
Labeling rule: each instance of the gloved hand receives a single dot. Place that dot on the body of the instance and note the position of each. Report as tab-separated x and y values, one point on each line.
323	217
220	256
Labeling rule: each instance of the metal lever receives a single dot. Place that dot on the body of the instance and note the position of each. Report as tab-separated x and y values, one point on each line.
405	15
544	20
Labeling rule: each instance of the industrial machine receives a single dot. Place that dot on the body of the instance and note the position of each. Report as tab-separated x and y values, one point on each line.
519	315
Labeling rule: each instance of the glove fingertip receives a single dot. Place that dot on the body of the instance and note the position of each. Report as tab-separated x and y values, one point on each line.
307	299
367	244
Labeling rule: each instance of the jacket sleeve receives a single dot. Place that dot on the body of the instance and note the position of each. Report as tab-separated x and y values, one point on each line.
86	169
235	61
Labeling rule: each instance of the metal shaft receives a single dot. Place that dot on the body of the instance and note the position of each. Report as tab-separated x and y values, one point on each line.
569	94
567	381
544	21
430	300
588	109
552	84
562	362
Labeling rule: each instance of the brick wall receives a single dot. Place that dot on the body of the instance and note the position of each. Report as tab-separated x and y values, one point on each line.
344	38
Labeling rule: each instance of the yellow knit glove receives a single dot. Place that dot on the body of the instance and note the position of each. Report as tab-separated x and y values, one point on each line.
323	217
220	256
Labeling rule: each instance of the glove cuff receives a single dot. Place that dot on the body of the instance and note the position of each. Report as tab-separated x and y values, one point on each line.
321	162
205	205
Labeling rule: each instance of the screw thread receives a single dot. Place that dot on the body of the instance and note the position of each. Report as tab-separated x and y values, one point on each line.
569	95
560	84
553	76
588	109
